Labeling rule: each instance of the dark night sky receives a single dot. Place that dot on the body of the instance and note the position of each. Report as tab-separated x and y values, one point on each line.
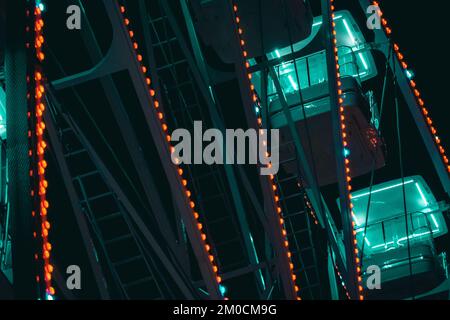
423	32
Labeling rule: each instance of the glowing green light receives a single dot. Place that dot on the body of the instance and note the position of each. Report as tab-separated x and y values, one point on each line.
350	33
222	289
434	221
359	75
366	66
40	5
414	235
291	80
421	194
383	245
409	74
382	189
346	152
320	22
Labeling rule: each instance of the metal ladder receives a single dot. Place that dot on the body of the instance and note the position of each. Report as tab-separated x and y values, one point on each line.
183	106
129	264
299	229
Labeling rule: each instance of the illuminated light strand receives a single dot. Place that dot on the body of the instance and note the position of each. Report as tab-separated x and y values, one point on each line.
310	209
342	282
344	134
39	156
415	90
257	102
165	129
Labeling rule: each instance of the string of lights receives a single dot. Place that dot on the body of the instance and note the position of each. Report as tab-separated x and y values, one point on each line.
308	204
39	184
257	103
344	135
165	129
342	281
